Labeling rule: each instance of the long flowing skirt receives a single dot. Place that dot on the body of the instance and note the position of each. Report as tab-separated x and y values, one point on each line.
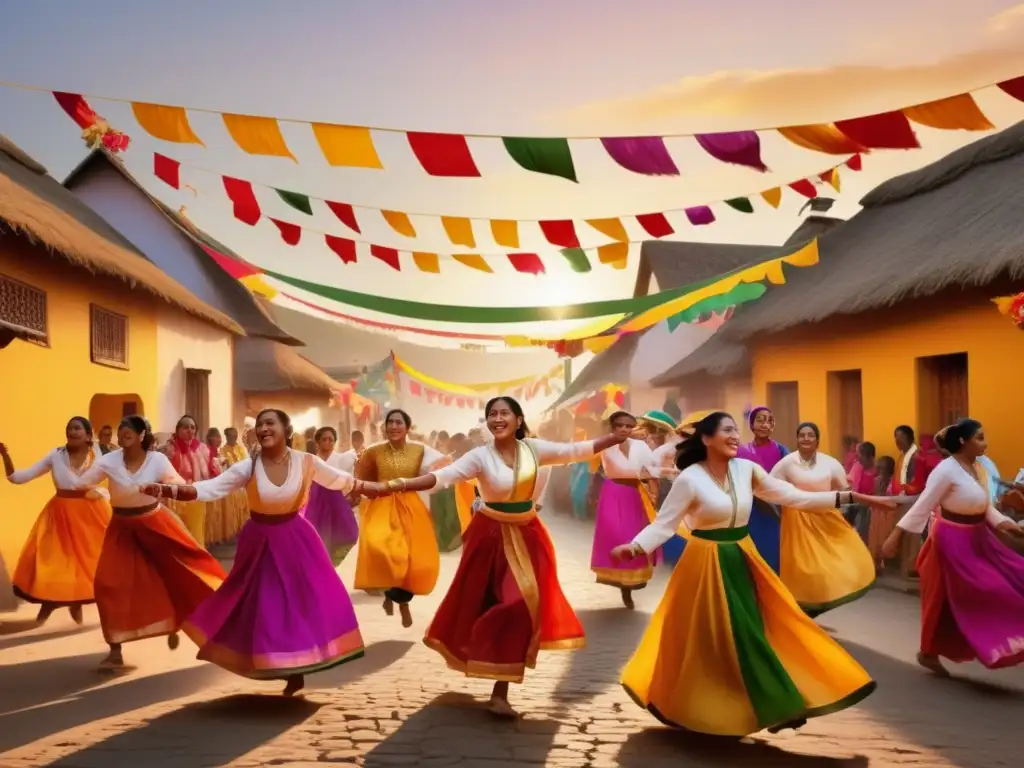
444	510
825	563
465	495
225	518
728	651
331	515
972	596
282	610
622	512
193	516
766	532
58	562
504	604
397	545
151	576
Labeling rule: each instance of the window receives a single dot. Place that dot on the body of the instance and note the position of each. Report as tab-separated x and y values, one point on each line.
784	400
108	337
22	312
197	398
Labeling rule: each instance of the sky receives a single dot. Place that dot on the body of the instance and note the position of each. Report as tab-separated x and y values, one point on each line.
532	67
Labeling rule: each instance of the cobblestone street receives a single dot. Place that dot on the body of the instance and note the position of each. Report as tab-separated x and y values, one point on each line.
401	706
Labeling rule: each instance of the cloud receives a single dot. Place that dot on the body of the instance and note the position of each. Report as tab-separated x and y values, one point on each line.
1007	21
732	100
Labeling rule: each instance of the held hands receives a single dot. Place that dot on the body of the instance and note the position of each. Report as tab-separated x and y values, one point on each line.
151	489
372	490
625	552
1011	528
885	502
891	546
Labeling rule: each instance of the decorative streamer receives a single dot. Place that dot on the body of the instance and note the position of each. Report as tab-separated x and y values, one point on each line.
736	147
887	130
700	215
550	156
165	123
299	202
257	135
505	233
399	222
957	113
241	195
527	263
821	138
346	215
459	231
347	146
647	155
290	233
561	233
443	154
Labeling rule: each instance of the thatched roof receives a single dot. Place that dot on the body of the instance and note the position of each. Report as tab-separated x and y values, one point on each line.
241	305
719	356
262	365
956	222
37	206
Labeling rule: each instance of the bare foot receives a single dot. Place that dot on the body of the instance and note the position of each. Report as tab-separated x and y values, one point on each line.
114	662
403	608
932	664
627	598
500	707
173	641
76	615
295	684
45	611
389	606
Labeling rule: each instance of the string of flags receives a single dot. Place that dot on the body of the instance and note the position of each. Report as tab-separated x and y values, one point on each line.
564	233
420	384
451	155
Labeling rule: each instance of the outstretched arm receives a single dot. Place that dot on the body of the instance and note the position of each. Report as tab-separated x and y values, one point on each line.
777	491
553	454
18	477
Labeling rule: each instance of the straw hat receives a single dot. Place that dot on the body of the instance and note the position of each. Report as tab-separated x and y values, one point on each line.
659	419
687	423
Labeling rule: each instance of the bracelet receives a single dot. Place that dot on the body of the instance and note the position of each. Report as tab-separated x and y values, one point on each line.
174	492
837	500
849	495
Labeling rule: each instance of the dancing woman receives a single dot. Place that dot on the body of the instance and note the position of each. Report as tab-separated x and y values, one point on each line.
972	580
824	562
57	565
151	573
330	512
624	508
283	612
728	651
505	603
397	545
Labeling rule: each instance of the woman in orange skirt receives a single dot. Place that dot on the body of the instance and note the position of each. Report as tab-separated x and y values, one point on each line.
151	573
505	603
58	562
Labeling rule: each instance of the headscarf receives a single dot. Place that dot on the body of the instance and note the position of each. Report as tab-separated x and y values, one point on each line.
190	459
766	455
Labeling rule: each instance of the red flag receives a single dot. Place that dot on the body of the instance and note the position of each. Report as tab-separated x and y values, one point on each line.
247	208
167	169
855	163
527	263
343	247
1013	87
655	224
388	255
290	233
804	187
460	402
443	154
76	108
345	213
561	233
888	130
415	388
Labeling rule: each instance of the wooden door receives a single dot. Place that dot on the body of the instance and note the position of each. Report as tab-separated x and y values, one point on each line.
784	400
197	399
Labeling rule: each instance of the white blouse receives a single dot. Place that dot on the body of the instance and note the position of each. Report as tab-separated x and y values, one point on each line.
618	466
826	474
237	476
697	500
124	485
58	464
543	475
344	461
495	478
951	487
664	455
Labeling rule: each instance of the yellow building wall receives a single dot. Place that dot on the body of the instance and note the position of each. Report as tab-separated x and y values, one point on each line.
42	387
885	346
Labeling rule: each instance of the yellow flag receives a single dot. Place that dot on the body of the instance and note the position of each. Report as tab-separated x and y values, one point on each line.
459	230
473	260
613	228
957	113
427	262
347	145
772	196
259	286
257	135
615	255
505	233
399	222
165	123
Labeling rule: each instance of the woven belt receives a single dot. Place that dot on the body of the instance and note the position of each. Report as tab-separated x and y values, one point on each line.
956	517
264	519
67	493
135	511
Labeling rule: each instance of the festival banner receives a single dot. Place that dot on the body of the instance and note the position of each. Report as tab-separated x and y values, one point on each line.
465	231
474	395
451	154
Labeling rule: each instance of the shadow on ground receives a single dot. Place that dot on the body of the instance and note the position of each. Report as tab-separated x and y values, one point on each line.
235	725
659	747
20	632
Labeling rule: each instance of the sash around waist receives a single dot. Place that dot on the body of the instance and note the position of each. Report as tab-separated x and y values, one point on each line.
514	512
135	511
956	517
68	493
721	534
633	482
265	519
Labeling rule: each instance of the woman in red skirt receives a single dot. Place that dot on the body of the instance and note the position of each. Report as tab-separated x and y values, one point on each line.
505	603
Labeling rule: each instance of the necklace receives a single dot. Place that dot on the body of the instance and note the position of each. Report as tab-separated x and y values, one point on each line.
729	490
285	458
809	463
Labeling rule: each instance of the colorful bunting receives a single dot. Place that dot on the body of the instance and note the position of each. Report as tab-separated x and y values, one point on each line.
165	123
736	147
388	255
399	222
803	187
700	215
821	138
527	263
887	130
773	196
957	113
741	204
167	170
561	233
297	201
240	193
550	156
257	135
346	215
505	233
577	259
459	230
343	247
427	262
347	146
443	154
642	154
1014	88
290	233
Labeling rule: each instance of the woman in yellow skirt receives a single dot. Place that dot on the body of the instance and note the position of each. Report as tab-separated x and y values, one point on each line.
58	562
728	651
397	545
191	459
824	562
